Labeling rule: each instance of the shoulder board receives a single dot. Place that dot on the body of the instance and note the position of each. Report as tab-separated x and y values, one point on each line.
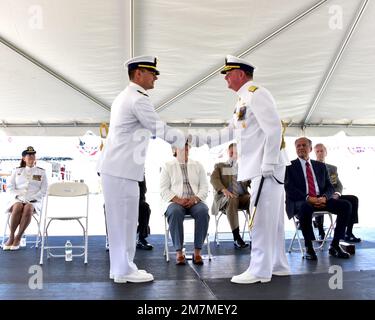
252	88
40	168
142	93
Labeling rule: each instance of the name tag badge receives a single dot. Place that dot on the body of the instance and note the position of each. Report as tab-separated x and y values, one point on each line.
242	113
333	178
37	177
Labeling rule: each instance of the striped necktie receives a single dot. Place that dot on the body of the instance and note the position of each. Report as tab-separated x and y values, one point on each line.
310	180
234	179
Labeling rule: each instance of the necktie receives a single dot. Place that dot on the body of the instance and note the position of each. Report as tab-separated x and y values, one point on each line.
234	180
310	180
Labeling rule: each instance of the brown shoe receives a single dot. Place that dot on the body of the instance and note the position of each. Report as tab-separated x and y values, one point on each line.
181	260
197	259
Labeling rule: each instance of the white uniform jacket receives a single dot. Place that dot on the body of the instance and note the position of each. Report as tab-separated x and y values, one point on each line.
257	128
171	181
28	185
133	121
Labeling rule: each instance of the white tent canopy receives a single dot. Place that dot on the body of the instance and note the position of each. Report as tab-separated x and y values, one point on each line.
61	61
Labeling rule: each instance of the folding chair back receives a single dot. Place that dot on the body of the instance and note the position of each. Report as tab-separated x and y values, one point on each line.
66	190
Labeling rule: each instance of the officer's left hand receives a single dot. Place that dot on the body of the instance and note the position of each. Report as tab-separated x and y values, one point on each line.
267	170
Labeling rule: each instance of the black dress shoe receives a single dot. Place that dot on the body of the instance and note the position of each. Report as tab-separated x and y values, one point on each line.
321	237
240	244
338	252
310	254
144	245
352	238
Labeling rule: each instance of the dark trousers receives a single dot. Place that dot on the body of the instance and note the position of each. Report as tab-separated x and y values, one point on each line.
354	202
341	208
353	217
143	219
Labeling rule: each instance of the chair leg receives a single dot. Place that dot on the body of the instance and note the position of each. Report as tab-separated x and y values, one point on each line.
291	243
85	238
299	243
331	226
208	247
86	242
38	235
42	246
166	234
296	234
106	243
328	233
246	226
216	238
5	230
243	229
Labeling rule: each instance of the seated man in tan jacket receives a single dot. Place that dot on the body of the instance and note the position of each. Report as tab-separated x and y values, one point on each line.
230	194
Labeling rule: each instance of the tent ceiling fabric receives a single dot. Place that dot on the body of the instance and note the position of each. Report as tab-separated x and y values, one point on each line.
61	61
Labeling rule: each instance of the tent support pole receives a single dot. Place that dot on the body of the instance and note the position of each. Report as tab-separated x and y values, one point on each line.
335	62
273	34
53	73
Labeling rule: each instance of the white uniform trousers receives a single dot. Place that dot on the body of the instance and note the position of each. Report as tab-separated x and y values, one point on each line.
268	238
121	198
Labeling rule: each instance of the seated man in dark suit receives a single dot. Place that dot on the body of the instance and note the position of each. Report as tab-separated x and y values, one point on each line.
309	189
230	194
321	153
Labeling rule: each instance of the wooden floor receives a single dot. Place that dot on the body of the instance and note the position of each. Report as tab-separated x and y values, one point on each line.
76	281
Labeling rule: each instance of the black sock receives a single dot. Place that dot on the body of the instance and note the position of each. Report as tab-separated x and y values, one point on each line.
335	243
308	245
349	230
321	229
236	234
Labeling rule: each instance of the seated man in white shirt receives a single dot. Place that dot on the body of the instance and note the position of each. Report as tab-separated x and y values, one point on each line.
183	184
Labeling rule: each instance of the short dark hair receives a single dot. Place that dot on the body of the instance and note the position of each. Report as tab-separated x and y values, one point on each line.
131	73
232	145
249	74
309	141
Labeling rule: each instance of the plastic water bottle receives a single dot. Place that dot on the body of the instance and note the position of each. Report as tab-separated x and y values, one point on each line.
68	251
23	241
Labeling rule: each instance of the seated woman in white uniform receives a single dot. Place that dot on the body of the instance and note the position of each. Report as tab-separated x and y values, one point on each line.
28	185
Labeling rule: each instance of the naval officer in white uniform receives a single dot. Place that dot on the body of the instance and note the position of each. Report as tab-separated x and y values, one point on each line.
133	121
257	128
27	186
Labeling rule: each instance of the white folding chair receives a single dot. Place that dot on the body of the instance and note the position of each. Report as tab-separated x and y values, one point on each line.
244	229
37	217
166	238
322	242
65	190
